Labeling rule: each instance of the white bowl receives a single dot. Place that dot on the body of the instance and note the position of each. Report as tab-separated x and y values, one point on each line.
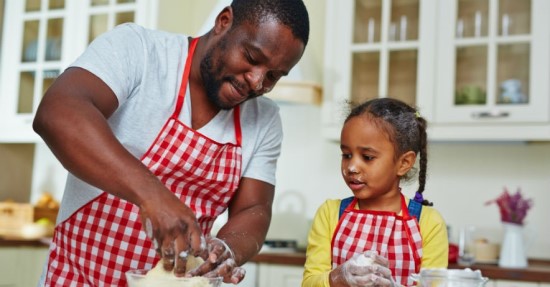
137	278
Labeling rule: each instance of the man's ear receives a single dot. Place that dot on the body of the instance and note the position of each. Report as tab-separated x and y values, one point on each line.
224	20
405	162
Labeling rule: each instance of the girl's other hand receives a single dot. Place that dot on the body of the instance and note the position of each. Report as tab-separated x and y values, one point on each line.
363	269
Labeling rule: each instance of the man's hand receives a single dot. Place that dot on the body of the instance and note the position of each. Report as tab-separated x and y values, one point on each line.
363	269
220	262
174	230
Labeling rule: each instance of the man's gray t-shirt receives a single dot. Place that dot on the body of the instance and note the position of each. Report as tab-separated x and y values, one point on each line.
144	68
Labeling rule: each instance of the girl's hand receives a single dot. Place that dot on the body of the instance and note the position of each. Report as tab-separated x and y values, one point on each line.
220	262
363	269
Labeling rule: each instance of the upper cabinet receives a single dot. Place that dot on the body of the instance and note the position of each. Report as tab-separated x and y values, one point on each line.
40	39
476	69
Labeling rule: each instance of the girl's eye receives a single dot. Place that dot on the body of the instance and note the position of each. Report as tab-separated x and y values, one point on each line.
346	155
368	157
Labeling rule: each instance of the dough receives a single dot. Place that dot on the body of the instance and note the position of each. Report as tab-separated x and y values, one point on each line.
160	277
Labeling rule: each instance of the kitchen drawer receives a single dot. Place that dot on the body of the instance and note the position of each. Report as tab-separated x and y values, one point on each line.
510	283
21	266
8	267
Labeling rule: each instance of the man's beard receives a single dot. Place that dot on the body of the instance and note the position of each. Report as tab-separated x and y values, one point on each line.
212	85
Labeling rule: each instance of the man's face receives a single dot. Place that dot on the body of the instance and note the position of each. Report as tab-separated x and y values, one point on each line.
247	62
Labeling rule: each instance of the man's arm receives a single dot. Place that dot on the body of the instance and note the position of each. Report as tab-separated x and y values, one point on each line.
72	120
248	219
244	233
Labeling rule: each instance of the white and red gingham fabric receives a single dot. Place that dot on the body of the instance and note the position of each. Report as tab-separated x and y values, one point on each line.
104	239
395	237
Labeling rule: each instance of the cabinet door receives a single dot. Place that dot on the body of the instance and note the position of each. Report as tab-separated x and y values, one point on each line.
31	59
32	264
378	48
274	275
508	283
493	60
9	273
40	39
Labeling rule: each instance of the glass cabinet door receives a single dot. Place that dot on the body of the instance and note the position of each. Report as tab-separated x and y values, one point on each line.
40	39
487	69
385	48
106	14
32	53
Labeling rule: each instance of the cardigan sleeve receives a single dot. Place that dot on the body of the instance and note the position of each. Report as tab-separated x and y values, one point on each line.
318	255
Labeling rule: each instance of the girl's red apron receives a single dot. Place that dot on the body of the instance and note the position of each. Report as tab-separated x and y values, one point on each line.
395	237
104	238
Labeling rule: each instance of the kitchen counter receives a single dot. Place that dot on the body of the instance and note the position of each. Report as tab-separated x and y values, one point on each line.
537	271
21	242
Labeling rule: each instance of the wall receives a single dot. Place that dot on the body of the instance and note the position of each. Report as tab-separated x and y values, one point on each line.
461	176
16	165
186	17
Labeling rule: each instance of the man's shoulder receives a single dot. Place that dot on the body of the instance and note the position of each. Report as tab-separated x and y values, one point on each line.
262	102
146	34
260	109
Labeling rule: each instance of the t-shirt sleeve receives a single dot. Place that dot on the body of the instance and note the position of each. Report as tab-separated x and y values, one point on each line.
435	243
318	255
263	162
116	57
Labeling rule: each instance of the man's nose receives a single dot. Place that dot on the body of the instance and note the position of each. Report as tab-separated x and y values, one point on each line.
255	79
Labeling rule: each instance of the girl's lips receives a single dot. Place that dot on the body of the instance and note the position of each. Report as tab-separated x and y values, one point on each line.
355	185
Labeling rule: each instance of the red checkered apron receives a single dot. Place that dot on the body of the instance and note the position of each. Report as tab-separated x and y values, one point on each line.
394	237
104	238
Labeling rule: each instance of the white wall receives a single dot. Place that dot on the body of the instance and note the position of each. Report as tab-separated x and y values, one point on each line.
461	178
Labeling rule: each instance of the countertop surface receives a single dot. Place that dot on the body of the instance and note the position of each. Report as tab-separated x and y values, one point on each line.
24	242
537	271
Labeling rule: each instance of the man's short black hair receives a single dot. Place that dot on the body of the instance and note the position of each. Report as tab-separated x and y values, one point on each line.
291	13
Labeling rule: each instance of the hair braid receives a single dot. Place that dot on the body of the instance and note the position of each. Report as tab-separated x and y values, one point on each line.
423	161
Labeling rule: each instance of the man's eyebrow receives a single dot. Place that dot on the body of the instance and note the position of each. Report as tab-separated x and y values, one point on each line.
259	52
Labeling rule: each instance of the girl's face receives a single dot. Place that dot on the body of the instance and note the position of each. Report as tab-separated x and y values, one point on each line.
369	164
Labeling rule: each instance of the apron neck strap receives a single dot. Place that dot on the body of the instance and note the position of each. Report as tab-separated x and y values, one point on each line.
183	89
185	76
404	208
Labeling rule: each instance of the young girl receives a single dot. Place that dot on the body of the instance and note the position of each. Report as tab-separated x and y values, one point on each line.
377	237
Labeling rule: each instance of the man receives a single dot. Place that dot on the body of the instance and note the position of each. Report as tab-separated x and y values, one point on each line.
145	120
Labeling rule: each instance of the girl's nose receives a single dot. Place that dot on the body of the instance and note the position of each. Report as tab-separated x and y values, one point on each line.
350	169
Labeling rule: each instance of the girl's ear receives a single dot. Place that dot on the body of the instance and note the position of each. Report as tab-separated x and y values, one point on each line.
224	20
405	163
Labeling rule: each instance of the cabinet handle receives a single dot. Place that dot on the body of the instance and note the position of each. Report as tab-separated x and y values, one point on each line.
490	115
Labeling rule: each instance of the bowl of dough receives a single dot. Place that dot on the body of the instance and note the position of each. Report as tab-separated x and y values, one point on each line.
160	277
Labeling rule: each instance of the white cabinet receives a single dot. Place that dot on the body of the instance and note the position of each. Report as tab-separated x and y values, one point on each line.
275	275
493	69
477	70
40	39
508	283
21	266
8	278
375	49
